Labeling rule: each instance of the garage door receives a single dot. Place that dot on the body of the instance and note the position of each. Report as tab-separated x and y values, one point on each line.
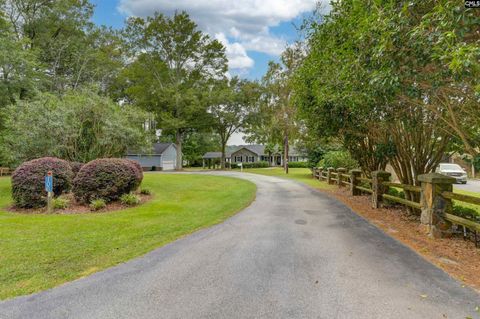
168	165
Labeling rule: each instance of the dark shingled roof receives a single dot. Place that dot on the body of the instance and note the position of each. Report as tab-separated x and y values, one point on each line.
212	155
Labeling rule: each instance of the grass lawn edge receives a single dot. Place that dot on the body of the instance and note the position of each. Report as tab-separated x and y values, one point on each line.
101	262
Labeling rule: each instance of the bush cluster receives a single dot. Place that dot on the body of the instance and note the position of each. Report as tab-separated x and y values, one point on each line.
145	191
28	181
107	178
253	165
298	164
338	159
97	204
129	199
60	203
76	167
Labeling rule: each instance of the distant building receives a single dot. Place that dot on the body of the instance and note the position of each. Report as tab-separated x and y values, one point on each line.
254	153
163	157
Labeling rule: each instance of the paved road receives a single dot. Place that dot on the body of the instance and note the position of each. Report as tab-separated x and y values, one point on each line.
294	253
471	186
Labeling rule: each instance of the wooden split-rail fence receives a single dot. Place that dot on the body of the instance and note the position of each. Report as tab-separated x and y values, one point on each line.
435	193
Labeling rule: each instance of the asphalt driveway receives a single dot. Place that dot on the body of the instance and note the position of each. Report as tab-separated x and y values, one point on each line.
294	253
473	185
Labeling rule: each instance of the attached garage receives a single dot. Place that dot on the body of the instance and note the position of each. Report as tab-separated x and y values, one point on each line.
162	158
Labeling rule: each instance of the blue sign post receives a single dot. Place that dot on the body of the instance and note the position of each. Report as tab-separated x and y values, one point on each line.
49	189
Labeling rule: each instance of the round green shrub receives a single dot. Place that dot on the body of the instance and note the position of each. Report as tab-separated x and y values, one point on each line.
106	178
28	181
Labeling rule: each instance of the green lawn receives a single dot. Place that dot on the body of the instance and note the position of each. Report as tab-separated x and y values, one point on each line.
303	175
464	204
41	251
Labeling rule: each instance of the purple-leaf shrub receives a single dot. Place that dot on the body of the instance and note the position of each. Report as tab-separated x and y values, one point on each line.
106	178
28	181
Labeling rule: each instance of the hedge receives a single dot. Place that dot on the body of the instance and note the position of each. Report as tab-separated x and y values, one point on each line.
256	165
298	165
106	178
28	181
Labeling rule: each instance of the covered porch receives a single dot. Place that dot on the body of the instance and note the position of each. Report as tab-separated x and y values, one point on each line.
213	160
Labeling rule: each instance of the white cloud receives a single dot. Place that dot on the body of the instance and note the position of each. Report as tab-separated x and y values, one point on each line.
236	53
247	22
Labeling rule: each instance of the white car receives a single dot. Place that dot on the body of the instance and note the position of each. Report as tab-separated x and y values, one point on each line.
453	170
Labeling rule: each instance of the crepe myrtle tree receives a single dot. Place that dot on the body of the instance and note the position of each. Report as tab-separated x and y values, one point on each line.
172	66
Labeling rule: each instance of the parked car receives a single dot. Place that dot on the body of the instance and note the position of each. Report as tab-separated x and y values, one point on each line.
453	170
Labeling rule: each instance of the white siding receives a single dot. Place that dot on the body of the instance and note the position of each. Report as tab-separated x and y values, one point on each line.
147	161
169	158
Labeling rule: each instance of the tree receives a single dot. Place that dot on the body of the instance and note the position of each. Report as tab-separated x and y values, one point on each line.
231	101
18	68
367	80
78	126
72	51
449	33
198	143
275	119
173	65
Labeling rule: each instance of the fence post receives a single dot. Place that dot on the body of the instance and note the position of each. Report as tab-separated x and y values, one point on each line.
434	205
329	175
314	172
320	172
339	172
378	188
354	175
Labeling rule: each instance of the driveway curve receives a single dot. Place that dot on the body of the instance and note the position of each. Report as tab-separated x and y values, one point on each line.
294	253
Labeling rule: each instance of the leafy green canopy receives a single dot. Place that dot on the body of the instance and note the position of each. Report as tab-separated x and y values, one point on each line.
172	67
231	102
70	49
374	78
78	126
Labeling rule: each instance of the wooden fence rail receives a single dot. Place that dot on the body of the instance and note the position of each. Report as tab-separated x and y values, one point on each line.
436	193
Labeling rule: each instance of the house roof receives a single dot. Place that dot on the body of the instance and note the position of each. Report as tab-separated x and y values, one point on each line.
212	155
255	148
260	150
157	149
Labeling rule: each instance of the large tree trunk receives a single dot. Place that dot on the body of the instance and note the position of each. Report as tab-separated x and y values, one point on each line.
285	153
178	144
222	164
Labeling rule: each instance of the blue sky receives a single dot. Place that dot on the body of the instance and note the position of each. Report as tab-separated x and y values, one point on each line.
253	32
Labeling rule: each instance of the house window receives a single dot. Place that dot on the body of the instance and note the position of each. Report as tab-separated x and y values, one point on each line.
252	159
